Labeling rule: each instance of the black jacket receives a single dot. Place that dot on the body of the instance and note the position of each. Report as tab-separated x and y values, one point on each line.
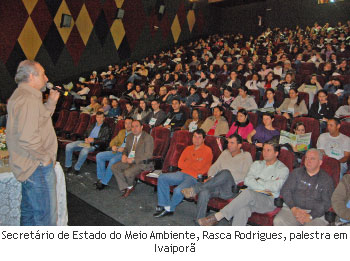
326	111
104	135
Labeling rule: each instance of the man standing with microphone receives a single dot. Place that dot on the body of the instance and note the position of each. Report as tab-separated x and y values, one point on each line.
32	144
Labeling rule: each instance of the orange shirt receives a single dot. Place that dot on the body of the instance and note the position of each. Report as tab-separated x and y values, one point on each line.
194	162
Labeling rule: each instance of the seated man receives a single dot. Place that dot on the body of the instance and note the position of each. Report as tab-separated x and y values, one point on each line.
110	82
228	170
194	160
156	117
114	155
137	157
264	180
176	118
96	138
341	200
335	144
306	194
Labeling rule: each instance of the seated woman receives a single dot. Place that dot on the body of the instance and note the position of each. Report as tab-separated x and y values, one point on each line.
243	101
264	132
226	99
193	98
163	91
151	95
129	112
321	110
138	93
311	87
269	82
207	99
142	111
202	81
255	84
189	80
269	102
195	122
293	106
299	129
344	111
285	85
217	124
105	106
93	107
242	126
264	71
115	111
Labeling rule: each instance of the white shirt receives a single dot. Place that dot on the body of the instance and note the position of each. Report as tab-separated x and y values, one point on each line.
334	147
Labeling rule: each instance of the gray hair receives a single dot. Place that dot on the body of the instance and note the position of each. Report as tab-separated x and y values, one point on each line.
320	152
24	70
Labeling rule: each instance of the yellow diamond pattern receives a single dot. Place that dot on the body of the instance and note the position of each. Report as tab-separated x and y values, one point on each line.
176	29
119	3
30	40
118	32
191	20
29	5
65	31
84	24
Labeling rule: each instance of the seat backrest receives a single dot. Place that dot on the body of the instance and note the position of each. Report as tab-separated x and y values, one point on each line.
280	122
161	139
287	158
82	124
180	140
67	103
229	116
311	125
215	91
146	128
256	95
119	126
304	96
345	128
212	143
205	112
62	119
71	121
249	148
331	166
253	118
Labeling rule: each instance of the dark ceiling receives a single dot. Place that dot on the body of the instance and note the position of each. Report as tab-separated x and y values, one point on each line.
228	3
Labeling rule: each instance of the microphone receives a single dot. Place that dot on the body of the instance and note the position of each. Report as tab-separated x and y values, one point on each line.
50	86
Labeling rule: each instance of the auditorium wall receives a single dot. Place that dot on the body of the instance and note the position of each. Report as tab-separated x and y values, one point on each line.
30	29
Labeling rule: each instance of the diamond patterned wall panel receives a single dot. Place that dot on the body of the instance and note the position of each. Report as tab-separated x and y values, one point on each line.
181	14
84	24
11	11
75	45
118	32
15	58
53	6
74	7
42	18
53	43
93	7
191	19
64	31
29	5
134	20
101	27
119	3
110	9
176	29
124	51
165	26
30	40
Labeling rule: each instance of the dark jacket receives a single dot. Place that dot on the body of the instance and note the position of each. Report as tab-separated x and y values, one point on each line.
160	116
178	119
326	111
308	192
104	135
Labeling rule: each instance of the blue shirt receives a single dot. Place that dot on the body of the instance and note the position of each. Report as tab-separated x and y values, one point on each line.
126	135
95	131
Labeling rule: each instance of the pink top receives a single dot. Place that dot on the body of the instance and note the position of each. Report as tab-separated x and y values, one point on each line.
242	131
